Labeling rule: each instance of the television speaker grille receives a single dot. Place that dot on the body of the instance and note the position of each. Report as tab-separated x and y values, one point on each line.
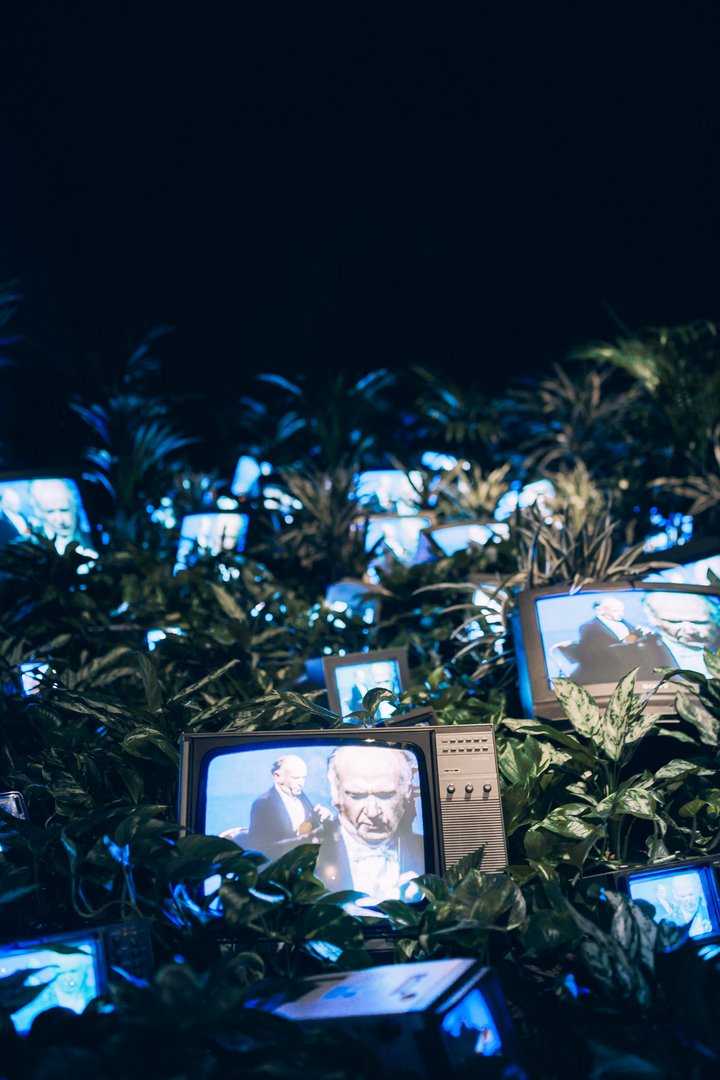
469	825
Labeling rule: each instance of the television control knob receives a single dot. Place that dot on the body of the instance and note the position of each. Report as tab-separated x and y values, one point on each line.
487	788
469	788
451	789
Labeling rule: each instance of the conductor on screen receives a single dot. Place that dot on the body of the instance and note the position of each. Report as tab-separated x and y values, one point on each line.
609	646
685	625
371	848
283	816
55	511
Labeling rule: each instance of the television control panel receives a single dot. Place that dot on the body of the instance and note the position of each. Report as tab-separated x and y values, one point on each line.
469	787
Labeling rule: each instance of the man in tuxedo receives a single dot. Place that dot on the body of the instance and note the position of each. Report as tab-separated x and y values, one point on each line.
609	646
284	816
371	847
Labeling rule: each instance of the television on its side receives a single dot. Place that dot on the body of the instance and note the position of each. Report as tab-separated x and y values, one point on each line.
598	634
349	677
454	536
384	805
74	968
685	892
13	804
355	599
43	504
693	561
210	534
395	538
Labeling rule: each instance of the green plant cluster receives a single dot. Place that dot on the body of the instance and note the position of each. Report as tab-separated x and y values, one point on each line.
595	986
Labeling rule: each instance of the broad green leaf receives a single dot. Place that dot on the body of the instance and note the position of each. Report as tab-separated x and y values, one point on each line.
565	821
228	603
712	662
692	709
580	708
622	709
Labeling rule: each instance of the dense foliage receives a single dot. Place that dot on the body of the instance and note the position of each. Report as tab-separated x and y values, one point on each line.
595	986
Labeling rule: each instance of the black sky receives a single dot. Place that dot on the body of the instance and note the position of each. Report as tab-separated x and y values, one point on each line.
291	193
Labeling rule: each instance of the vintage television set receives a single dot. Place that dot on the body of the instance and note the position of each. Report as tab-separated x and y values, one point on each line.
43	504
247	478
539	493
432	1018
355	599
454	536
349	677
389	490
210	534
597	634
384	804
693	561
394	538
685	892
74	968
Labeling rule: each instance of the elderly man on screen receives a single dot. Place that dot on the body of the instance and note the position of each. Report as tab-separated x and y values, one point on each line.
685	625
371	848
283	816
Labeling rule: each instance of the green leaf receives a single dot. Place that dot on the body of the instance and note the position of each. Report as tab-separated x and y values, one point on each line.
400	913
637	802
622	709
565	821
691	709
375	697
580	708
712	662
228	603
148	674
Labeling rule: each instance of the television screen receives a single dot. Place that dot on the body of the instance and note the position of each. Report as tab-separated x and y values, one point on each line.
69	979
390	490
540	492
490	600
598	637
348	678
246	481
459	536
361	803
682	896
154	637
11	802
353	598
397	538
45	505
690	573
31	674
210	534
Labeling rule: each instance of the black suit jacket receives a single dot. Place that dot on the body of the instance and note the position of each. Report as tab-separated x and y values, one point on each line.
270	829
333	865
602	658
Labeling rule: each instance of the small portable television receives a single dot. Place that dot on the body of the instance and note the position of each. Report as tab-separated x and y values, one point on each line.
210	534
685	892
32	673
539	493
456	536
431	1018
349	677
246	480
393	538
598	634
355	599
36	505
694	560
384	805
154	637
389	490
13	804
69	970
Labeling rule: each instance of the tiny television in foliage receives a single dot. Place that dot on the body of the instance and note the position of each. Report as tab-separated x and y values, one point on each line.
431	1018
350	676
43	504
694	561
12	803
210	534
383	805
454	536
598	634
354	599
389	490
685	892
69	970
393	538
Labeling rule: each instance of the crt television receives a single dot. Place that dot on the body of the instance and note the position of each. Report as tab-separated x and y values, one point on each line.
599	633
393	538
384	804
12	803
355	599
685	892
431	1018
72	969
43	504
457	536
391	490
349	677
210	534
693	561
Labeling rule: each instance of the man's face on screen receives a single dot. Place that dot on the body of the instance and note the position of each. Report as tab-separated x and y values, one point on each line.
291	775
686	618
611	609
372	793
56	507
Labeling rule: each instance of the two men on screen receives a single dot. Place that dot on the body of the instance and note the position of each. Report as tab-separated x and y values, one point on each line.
370	846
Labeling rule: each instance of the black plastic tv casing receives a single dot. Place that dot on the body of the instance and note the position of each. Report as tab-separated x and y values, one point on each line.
332	663
486	523
683	554
28	475
462	801
537	698
619	880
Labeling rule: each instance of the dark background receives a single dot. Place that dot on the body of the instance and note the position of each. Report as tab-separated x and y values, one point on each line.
294	193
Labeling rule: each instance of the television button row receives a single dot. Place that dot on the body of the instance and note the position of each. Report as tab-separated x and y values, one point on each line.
476	739
466	750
